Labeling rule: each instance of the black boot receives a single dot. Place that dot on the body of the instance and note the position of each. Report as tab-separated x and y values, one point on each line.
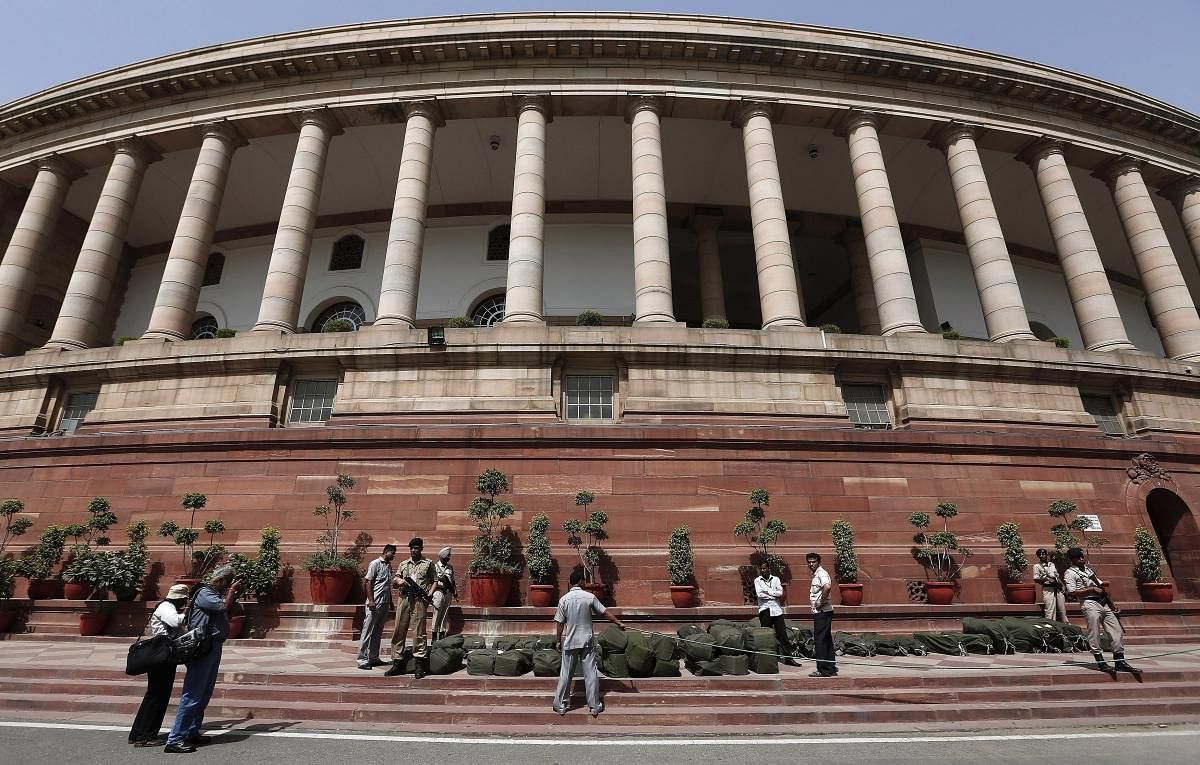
394	670
422	668
1102	665
1124	666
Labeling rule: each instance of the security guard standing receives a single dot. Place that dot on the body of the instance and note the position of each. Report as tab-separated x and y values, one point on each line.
446	588
1054	600
1083	584
414	577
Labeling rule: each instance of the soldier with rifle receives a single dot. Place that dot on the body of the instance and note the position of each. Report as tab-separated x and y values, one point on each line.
1083	584
414	578
445	590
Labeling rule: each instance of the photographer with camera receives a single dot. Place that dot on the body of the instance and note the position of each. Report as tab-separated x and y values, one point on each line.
1054	600
1083	585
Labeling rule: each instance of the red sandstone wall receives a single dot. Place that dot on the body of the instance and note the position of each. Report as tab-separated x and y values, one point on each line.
419	482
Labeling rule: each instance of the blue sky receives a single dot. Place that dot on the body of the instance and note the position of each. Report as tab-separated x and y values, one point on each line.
1147	45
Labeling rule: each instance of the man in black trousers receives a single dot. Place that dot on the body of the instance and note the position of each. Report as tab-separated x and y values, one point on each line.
822	608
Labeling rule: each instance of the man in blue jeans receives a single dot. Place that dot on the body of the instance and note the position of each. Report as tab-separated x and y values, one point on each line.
209	608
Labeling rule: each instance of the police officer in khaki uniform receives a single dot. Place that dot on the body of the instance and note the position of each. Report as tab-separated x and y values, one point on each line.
1054	599
446	588
414	578
1087	588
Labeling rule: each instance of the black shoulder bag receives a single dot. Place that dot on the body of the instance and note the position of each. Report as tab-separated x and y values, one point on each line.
147	653
193	644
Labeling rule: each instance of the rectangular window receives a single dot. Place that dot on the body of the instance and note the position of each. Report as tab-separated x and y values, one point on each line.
1104	412
589	397
76	409
312	400
867	406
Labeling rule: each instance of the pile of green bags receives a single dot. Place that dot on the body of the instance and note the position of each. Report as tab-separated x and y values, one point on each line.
729	648
632	653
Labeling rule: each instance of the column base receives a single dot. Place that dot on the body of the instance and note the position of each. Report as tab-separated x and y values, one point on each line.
666	321
787	322
273	328
56	348
153	337
523	318
1014	336
393	322
1113	346
905	329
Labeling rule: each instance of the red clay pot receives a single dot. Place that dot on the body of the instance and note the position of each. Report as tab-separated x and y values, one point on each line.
7	620
852	594
1021	593
76	590
93	623
490	590
939	593
683	595
236	625
1157	592
541	595
330	587
45	589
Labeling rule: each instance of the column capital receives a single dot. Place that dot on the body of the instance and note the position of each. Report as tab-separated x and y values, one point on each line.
138	148
224	131
856	118
644	102
1114	168
946	135
322	116
744	110
428	108
61	166
1041	147
1178	189
536	101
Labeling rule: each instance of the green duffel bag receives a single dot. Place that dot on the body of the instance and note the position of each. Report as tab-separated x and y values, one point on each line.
948	643
612	640
688	630
481	661
802	642
408	664
613	665
444	660
700	647
705	668
542	642
909	645
887	645
639	656
1075	638
664	647
851	644
729	643
980	644
533	642
994	629
734	665
547	662
666	668
450	641
473	642
763	664
512	663
507	642
760	639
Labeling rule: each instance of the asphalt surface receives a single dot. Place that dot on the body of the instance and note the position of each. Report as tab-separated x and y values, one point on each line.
267	744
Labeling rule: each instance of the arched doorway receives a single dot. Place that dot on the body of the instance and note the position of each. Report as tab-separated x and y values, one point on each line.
1175	526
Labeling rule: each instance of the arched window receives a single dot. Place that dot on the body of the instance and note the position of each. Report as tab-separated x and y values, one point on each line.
214	269
348	310
489	311
204	328
498	242
347	253
1041	331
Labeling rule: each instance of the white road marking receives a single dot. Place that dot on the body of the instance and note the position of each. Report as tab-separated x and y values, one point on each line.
634	741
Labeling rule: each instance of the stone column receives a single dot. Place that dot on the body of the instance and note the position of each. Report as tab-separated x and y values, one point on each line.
866	307
523	295
708	252
28	245
1185	194
778	293
85	304
284	288
895	298
1087	284
995	280
1171	305
175	306
651	249
406	236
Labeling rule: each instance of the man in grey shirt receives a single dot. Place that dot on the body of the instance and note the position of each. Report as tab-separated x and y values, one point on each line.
378	584
574	638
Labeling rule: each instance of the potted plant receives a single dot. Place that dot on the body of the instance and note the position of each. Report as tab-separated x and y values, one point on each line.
936	553
846	564
13	527
460	322
131	564
197	563
1064	511
84	587
37	564
591	553
589	319
715	322
541	562
1016	563
93	569
493	558
1147	568
681	567
762	534
331	574
258	575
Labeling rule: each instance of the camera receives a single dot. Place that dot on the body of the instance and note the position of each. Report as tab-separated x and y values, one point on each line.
494	142
814	151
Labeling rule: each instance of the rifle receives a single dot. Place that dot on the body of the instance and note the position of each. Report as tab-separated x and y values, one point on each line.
1103	597
447	583
411	588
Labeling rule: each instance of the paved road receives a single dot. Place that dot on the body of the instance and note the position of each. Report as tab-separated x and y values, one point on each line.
27	742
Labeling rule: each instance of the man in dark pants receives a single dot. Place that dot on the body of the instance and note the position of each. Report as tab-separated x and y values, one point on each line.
768	590
822	608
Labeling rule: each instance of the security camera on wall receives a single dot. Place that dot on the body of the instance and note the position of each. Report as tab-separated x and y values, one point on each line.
494	142
814	151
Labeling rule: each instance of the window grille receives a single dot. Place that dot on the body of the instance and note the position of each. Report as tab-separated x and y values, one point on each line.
867	406
214	269
589	397
348	310
489	311
204	328
1104	412
312	400
498	237
76	409
347	253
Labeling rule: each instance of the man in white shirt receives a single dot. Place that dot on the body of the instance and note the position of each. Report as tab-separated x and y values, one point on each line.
1083	584
378	584
1054	601
822	608
768	590
574	638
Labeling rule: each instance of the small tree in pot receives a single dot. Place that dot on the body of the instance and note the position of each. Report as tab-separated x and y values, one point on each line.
331	573
1016	563
590	554
197	563
37	564
131	564
762	534
13	527
494	559
681	567
1064	511
541	562
258	575
1147	568
936	552
82	574
846	565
